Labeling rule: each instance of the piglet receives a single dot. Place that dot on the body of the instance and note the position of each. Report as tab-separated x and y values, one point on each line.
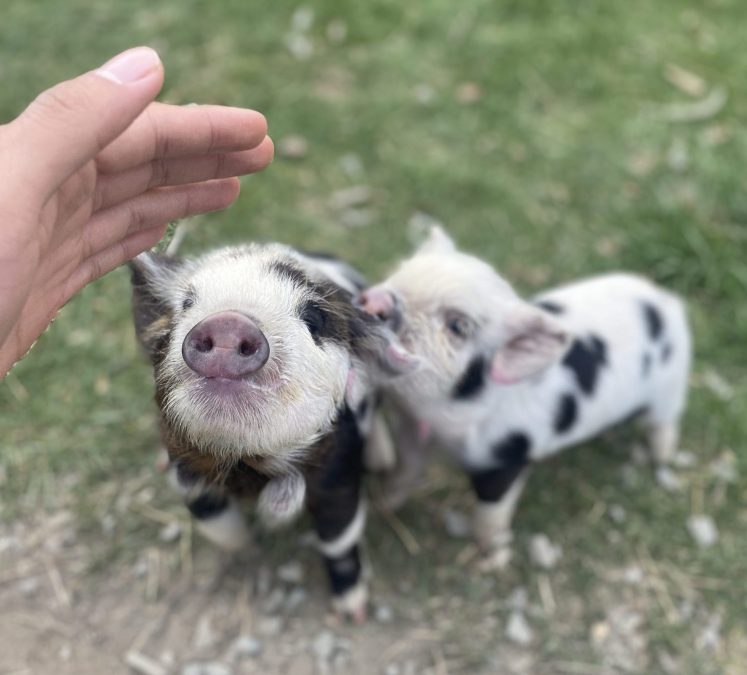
264	374
504	382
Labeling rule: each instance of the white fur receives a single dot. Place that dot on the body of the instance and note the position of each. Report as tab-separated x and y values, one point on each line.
439	280
282	499
295	396
350	536
227	530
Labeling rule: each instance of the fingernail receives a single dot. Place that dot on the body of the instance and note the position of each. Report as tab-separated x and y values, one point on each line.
130	66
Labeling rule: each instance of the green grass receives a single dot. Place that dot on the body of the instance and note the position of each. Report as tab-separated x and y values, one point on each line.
564	165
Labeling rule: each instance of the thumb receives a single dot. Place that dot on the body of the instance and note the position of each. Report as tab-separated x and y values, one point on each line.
69	124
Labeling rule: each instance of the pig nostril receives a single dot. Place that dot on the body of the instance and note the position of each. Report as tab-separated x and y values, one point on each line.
204	345
247	348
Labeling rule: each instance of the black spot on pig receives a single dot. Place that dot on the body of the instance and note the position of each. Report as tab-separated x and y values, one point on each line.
566	413
512	450
666	352
586	359
472	381
207	505
344	571
513	454
550	306
286	270
654	321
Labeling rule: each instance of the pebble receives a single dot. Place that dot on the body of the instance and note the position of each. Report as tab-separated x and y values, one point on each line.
543	552
355	218
424	93
457	524
293	147
518	629
383	614
469	92
290	572
703	530
351	165
206	668
295	599
171	532
302	19
270	626
668	479
246	647
299	46
346	198
618	513
30	586
392	669
633	575
519	598
323	645
144	665
337	31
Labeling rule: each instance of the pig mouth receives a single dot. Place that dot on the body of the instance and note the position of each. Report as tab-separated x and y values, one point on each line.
236	392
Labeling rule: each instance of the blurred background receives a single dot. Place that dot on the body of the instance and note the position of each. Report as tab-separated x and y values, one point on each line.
554	138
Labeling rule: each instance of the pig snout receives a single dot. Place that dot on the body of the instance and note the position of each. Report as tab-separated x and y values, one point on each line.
227	345
382	304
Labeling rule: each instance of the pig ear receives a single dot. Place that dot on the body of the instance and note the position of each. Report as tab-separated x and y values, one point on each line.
150	278
534	341
437	241
383	353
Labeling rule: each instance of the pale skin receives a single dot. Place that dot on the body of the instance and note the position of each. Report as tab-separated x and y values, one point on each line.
92	173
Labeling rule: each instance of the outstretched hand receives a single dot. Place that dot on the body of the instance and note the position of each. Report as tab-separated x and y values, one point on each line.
93	171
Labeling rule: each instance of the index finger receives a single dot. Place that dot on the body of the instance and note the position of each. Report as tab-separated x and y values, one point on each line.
164	130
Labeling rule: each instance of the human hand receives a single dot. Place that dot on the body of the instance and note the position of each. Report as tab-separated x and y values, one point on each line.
92	173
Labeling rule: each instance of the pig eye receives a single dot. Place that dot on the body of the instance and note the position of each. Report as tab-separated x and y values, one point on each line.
188	302
314	318
458	325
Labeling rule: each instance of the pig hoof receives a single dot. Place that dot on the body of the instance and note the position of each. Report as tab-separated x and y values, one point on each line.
496	560
353	604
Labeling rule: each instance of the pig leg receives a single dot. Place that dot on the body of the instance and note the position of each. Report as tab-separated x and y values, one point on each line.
217	517
411	443
498	492
339	525
339	517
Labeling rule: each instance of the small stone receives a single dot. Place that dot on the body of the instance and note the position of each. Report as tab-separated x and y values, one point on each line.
275	601
302	19
709	637
295	599
519	598
543	552
683	459
171	532
347	198
392	669
356	218
144	665
206	668
351	165
290	572
424	93
600	631
66	652
518	629
204	635
246	647
29	587
270	626
294	146
383	614
633	575
703	530
468	93
457	524
299	46
618	514
668	479
323	645
337	31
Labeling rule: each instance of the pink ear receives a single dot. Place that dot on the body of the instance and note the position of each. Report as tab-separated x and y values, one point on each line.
534	342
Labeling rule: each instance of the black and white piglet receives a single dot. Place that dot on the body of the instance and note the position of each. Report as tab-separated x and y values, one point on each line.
263	378
505	382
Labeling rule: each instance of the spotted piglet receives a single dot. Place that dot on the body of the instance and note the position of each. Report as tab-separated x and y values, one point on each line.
504	382
263	373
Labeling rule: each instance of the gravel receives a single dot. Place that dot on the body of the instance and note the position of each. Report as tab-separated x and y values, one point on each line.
543	552
703	530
